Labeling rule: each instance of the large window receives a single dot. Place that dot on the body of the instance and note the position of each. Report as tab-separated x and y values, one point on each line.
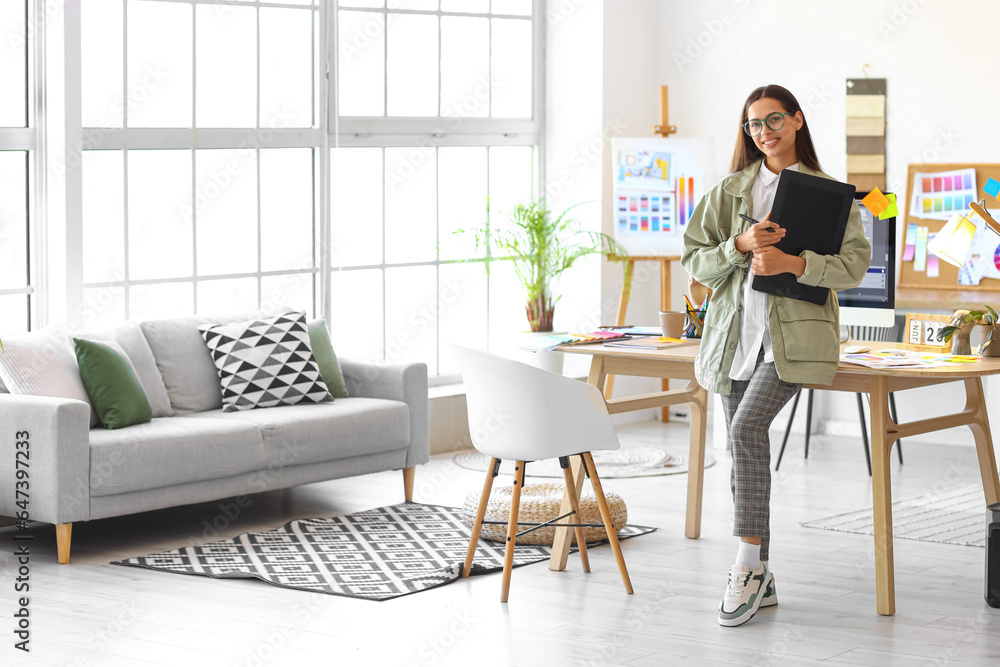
200	153
17	160
237	155
435	124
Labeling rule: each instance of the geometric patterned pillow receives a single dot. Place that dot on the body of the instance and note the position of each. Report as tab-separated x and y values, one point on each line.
264	363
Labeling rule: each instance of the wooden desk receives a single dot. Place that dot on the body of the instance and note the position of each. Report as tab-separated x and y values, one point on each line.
679	363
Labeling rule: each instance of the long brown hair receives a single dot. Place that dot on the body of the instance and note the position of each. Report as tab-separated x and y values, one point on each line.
746	152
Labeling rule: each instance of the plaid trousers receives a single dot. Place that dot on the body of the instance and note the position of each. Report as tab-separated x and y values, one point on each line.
750	408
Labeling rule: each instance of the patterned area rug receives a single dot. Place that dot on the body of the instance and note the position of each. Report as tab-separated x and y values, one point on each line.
377	554
637	461
956	516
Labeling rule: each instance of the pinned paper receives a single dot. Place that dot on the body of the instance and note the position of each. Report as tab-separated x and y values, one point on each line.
911	242
920	251
933	270
992	188
876	202
892	210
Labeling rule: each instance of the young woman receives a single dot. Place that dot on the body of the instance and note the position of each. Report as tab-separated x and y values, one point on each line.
758	349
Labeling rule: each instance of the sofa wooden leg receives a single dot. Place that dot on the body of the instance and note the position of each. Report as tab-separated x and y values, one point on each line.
64	533
408	482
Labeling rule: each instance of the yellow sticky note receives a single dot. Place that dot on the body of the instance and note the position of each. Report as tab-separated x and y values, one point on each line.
891	211
875	201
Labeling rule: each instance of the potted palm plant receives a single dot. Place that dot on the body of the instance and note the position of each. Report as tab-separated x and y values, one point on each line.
542	247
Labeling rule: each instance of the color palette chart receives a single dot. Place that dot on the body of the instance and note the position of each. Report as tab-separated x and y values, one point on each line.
638	211
685	199
939	196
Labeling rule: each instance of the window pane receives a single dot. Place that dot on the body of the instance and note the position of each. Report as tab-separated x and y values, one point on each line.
511	68
465	67
411	314
225	203
511	179
462	299
13	219
362	63
356	298
291	292
410	204
236	296
412	66
159	214
467	6
462	200
13	60
101	61
507	314
227	66
14	313
286	68
520	7
286	209
159	64
103	216
165	300
103	307
355	206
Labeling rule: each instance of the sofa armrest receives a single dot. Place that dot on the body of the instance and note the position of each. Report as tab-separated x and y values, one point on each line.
398	382
58	436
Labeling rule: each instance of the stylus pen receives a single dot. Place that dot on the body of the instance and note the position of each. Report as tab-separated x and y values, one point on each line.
754	222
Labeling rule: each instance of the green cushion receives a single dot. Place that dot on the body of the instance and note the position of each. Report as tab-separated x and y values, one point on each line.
112	384
329	367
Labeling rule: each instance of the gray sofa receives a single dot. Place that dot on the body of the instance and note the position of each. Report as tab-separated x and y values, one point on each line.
202	453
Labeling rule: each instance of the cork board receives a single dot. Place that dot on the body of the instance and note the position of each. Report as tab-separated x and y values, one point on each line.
947	278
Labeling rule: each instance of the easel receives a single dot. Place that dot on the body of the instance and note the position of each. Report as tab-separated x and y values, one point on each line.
664	129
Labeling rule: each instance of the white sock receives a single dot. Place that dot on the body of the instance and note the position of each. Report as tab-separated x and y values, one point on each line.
749	555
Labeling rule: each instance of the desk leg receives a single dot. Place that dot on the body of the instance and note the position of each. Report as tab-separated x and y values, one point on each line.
882	440
975	402
561	542
620	317
665	306
696	462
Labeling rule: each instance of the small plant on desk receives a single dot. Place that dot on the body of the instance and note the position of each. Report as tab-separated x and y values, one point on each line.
961	323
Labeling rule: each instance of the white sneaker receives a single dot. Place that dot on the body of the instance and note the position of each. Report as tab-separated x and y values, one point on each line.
770	598
744	594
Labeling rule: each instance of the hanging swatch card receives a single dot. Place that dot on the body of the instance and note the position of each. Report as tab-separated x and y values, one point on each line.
911	242
920	251
940	195
933	269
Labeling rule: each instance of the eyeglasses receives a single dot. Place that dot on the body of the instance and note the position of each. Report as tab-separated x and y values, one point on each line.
775	122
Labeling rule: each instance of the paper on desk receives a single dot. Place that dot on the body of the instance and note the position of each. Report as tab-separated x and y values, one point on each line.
903	360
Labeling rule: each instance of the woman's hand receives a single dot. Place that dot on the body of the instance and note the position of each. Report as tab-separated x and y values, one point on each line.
769	261
759	236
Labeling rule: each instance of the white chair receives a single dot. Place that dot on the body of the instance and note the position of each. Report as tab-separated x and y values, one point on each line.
521	413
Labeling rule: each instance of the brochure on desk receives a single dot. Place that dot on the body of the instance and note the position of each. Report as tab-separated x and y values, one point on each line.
657	183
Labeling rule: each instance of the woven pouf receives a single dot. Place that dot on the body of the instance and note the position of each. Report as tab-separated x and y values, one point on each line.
541	502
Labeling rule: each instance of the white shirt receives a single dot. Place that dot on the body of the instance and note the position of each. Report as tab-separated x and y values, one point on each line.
754	330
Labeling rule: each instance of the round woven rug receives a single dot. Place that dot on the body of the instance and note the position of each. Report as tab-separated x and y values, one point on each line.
634	461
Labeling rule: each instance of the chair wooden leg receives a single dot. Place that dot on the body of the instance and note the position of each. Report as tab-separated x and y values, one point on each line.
581	541
477	525
788	429
408	483
892	413
515	505
64	535
602	503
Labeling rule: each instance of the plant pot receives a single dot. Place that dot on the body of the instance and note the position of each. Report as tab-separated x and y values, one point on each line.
547	361
979	337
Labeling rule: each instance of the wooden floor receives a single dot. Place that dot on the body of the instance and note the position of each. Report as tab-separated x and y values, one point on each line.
92	613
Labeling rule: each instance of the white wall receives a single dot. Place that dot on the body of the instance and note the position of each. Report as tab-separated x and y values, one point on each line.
938	59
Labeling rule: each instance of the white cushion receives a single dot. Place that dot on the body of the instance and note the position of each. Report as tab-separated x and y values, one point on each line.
129	336
43	363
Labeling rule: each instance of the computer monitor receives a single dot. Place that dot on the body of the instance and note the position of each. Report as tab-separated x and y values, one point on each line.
873	302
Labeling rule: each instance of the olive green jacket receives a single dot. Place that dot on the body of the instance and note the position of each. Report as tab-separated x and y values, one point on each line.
804	336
